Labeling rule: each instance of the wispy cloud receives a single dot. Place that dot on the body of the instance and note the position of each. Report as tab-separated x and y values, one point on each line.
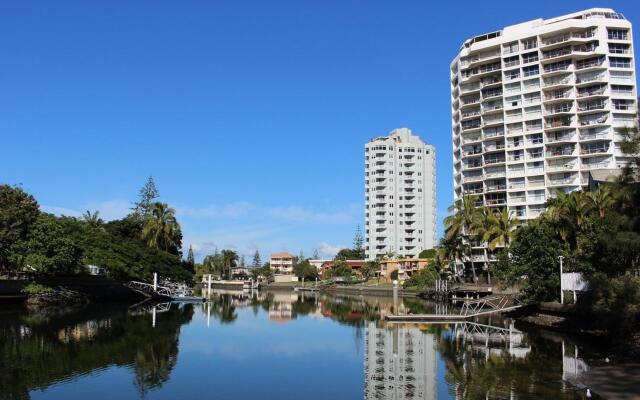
231	211
291	213
109	210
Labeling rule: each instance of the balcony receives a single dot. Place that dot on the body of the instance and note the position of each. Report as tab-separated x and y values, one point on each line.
559	67
558	82
558	123
491	161
470	126
495	188
470	114
479	57
564	152
594	63
595	136
563	109
599	149
592	92
561	167
468	166
492	121
582	107
561	138
590	78
564	181
568	37
564	51
494	147
476	178
595	121
496	202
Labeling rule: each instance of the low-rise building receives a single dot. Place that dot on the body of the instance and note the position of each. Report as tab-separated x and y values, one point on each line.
282	263
405	267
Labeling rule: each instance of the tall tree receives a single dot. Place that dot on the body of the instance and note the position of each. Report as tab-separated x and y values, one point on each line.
161	229
301	256
316	256
191	260
459	225
229	259
148	193
358	243
18	212
256	263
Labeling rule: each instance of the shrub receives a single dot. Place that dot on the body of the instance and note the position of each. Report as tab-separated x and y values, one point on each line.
36	288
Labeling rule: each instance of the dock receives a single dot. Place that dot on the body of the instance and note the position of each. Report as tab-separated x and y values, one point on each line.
471	308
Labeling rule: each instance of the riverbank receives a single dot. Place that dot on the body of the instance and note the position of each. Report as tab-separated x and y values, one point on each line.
61	291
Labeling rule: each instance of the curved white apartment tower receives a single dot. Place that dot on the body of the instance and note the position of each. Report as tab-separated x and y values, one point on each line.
400	195
536	106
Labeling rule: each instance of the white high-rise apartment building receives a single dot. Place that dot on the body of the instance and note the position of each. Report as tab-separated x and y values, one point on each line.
536	106
400	195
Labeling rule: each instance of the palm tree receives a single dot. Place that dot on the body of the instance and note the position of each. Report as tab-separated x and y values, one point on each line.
460	223
568	212
93	219
161	229
600	200
502	225
229	259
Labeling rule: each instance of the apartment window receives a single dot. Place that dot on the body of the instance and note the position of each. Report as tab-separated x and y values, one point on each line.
619	62
513	101
617	34
530	57
511	61
512	87
622	89
531	71
619	48
621	75
530	43
510	48
513	74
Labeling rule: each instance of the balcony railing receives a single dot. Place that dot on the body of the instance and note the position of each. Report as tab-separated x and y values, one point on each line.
493	161
556	53
597	121
554	82
563	167
594	150
593	92
591	78
561	152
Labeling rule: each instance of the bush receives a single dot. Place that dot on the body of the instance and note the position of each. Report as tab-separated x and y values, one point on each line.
422	279
36	288
612	304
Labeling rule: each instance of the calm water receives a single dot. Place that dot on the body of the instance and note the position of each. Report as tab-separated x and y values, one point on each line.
278	346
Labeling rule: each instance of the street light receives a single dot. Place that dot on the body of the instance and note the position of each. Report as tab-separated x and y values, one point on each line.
561	293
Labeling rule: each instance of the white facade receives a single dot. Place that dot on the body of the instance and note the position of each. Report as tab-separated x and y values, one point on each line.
400	195
536	106
399	363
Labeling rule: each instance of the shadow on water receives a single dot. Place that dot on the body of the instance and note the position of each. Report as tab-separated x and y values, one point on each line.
485	358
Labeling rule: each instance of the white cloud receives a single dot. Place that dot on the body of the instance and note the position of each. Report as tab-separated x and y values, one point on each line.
328	250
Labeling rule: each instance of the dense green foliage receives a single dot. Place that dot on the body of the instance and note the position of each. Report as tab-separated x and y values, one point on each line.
219	264
340	269
37	242
428	254
422	279
304	270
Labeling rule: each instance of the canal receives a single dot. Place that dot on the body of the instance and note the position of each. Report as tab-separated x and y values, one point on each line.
280	345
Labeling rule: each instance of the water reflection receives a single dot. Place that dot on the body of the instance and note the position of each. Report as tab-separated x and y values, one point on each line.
38	349
488	358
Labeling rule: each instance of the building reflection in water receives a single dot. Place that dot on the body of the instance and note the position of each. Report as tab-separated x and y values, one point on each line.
399	362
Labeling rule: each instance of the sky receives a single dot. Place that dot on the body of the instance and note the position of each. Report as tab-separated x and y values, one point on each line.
250	115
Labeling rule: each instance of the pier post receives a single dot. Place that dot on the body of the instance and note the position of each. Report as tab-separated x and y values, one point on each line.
209	286
155	283
153	317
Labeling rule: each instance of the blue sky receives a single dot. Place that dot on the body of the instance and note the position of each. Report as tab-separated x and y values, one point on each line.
251	115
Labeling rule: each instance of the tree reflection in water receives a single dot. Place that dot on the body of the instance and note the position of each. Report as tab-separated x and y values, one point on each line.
38	350
473	360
